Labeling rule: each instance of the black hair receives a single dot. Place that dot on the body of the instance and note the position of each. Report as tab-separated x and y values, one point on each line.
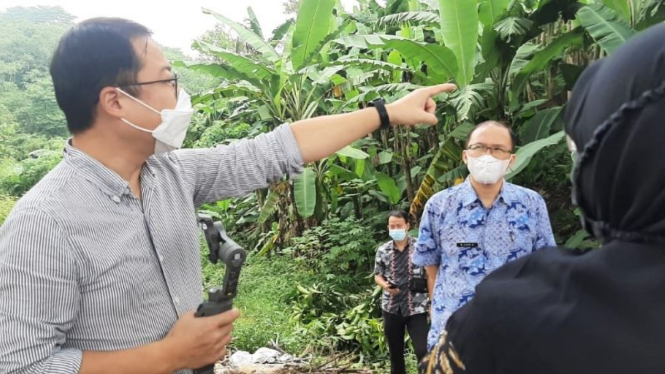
399	214
93	54
513	137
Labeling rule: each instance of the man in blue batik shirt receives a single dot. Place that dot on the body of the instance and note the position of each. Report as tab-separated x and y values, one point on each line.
469	230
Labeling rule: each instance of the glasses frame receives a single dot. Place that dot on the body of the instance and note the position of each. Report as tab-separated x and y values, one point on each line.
174	79
482	148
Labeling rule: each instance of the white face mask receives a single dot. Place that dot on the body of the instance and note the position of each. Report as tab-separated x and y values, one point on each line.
170	134
487	169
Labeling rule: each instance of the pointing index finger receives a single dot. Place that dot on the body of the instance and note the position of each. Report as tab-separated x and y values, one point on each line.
441	88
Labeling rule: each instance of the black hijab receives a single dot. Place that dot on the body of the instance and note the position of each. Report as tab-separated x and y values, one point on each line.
601	311
616	117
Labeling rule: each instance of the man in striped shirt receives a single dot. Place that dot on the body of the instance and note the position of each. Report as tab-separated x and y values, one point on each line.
99	263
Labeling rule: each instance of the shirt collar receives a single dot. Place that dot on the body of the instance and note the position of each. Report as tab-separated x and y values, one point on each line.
469	195
409	244
101	176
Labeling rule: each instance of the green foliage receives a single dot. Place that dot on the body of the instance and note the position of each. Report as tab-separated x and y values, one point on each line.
339	307
16	178
6	205
332	319
30	36
340	251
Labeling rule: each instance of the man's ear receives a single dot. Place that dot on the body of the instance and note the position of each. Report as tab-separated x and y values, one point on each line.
464	157
513	157
110	102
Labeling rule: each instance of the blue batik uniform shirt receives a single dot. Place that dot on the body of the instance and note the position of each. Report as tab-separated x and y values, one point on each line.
468	241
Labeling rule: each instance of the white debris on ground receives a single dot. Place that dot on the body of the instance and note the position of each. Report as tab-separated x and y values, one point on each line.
264	360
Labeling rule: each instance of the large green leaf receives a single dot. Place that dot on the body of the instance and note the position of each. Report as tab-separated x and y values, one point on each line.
351	152
367	63
462	131
544	57
604	26
285	68
512	27
388	187
271	202
362	41
460	172
385	157
471	99
312	26
620	7
411	17
221	71
522	57
344	174
386	89
446	160
491	52
248	37
650	14
305	191
459	29
491	10
325	76
238	62
281	30
323	48
540	125
254	22
526	152
439	59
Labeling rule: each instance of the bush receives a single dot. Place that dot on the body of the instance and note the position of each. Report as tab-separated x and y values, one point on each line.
16	178
339	252
6	205
339	309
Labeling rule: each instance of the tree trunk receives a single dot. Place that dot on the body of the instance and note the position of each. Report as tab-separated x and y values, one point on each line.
406	165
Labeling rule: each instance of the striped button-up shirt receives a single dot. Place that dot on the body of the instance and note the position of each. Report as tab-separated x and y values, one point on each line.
86	266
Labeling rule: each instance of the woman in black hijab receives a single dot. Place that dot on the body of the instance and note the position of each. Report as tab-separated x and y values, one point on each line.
603	311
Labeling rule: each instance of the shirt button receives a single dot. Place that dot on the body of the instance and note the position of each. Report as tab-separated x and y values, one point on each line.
161	258
116	199
176	300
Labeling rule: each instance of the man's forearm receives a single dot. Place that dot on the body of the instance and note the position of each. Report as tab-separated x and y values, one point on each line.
320	137
431	279
155	358
381	281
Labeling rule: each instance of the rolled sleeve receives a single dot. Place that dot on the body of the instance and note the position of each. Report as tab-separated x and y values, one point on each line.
242	167
39	296
428	247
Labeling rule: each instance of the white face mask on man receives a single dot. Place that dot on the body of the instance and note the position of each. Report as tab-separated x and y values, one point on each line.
170	134
487	169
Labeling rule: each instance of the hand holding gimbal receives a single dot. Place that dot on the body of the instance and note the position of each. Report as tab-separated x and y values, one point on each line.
220	247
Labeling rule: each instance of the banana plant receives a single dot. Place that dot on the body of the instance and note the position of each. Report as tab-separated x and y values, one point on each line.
288	78
486	77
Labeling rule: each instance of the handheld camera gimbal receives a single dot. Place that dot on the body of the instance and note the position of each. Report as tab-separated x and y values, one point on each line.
220	247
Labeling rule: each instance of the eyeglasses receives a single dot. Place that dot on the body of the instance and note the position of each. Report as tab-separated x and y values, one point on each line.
174	80
479	149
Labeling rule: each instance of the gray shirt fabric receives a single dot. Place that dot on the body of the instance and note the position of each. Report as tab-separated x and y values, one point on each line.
85	265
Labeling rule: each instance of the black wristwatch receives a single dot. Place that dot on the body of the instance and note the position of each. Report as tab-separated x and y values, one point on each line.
380	105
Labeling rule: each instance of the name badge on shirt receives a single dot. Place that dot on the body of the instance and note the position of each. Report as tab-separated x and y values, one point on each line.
467	245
